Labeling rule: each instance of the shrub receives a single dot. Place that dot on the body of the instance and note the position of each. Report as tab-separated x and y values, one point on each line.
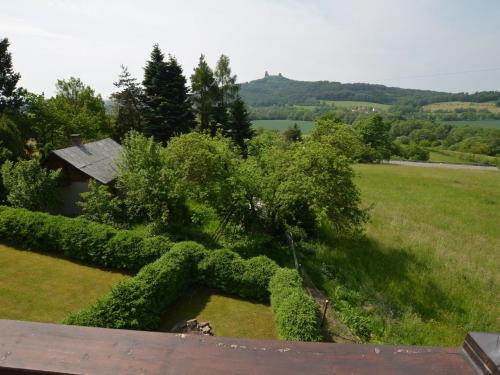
29	185
80	239
226	271
138	303
295	312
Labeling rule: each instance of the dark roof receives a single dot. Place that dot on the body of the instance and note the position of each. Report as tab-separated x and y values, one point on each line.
95	159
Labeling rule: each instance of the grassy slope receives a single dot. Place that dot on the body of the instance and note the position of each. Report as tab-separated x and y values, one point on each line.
46	289
352	104
454	157
228	316
427	270
305	126
451	106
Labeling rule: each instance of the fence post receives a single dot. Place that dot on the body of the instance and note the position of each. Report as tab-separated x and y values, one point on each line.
291	245
324	312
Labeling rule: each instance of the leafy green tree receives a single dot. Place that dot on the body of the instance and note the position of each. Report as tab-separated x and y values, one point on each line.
98	204
239	126
374	133
293	133
11	142
30	186
146	185
498	103
205	95
299	186
204	169
79	109
167	105
11	147
343	138
226	82
128	105
45	124
227	90
10	95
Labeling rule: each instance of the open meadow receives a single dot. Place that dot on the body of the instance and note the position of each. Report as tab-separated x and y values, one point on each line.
356	104
305	126
451	106
426	270
45	288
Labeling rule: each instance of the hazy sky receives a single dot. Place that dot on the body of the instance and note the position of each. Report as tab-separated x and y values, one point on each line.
449	45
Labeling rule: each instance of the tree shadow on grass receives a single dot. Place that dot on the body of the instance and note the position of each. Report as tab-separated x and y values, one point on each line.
228	315
188	306
393	280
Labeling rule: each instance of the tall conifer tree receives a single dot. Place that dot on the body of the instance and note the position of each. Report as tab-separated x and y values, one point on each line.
205	95
10	95
239	126
167	105
127	104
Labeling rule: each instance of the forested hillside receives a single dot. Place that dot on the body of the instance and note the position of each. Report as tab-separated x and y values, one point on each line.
279	90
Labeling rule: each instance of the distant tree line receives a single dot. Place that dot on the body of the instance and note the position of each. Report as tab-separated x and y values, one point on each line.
278	91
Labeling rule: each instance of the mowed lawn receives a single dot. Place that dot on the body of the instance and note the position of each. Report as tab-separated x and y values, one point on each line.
228	316
428	269
44	288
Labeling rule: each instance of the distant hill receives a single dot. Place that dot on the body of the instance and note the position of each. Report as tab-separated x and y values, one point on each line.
279	90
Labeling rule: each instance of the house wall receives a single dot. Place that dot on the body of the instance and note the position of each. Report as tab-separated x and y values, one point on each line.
69	195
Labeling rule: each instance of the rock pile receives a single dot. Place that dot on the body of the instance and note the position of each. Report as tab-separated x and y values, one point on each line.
194	327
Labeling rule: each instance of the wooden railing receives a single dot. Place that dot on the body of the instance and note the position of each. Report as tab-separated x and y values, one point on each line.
37	348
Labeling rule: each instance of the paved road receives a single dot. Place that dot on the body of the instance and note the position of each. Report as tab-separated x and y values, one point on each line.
442	165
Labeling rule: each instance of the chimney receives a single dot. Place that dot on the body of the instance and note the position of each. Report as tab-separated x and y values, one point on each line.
75	140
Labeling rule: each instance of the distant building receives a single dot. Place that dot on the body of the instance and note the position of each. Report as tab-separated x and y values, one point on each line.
79	163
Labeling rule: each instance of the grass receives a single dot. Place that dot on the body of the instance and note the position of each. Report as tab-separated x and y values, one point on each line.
46	289
495	124
228	316
451	106
455	157
353	104
281	125
426	271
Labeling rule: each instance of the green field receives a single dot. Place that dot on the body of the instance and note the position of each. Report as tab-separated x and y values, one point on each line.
305	126
228	316
451	106
44	288
353	104
455	157
426	270
495	124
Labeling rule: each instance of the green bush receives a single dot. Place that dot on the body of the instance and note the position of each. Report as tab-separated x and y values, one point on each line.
226	271
80	239
139	303
295	312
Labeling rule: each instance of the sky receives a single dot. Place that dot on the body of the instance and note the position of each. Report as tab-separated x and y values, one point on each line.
446	45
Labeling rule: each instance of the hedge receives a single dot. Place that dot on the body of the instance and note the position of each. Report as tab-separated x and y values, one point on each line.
295	312
139	303
226	271
80	239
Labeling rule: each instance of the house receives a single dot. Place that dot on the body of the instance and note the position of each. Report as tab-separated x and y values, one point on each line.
80	163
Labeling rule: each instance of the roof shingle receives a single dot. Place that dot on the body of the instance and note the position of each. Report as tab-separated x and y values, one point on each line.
96	159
